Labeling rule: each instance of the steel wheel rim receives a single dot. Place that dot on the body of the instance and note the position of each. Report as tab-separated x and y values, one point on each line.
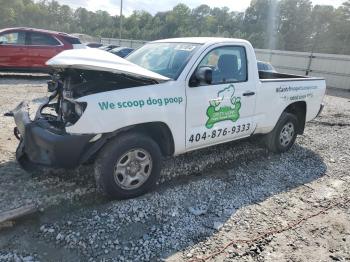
133	169
287	134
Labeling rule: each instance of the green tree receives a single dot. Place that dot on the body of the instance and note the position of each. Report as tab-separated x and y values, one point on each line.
283	24
10	12
294	26
322	35
340	29
257	22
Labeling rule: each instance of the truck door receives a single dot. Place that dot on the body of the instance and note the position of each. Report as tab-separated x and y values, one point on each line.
221	110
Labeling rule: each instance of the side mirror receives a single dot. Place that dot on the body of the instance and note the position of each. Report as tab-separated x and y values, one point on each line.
202	76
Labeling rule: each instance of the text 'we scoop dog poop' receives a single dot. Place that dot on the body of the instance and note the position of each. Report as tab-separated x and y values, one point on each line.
140	103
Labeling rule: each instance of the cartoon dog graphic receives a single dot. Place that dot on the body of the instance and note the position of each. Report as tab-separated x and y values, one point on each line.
225	107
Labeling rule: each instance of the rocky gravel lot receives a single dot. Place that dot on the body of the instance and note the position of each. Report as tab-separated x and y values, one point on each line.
234	193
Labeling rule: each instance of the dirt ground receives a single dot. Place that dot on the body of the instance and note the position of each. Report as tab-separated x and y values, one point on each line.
259	206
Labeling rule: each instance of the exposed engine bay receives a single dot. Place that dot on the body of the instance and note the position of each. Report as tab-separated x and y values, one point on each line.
69	84
41	123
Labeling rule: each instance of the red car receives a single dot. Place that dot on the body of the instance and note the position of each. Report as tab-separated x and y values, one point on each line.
27	49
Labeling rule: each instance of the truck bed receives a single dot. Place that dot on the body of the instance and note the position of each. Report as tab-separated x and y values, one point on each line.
265	76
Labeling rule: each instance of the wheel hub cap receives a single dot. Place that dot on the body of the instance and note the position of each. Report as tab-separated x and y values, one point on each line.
133	169
287	134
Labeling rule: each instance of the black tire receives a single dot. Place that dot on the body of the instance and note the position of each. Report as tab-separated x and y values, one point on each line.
273	140
112	152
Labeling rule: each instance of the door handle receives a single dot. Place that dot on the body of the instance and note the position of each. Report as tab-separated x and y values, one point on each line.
249	94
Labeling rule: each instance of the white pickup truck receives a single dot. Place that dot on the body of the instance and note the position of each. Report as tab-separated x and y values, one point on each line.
167	98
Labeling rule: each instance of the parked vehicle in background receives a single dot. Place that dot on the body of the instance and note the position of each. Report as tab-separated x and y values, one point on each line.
94	45
121	51
27	49
108	47
265	66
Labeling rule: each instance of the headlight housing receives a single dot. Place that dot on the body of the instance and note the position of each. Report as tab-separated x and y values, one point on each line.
72	111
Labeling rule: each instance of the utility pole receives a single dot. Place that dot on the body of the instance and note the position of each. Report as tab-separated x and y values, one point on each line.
121	19
314	43
219	27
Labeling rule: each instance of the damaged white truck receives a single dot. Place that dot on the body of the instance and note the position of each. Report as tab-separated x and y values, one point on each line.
168	97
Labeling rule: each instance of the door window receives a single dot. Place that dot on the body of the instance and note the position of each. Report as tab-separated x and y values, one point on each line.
229	64
42	39
13	38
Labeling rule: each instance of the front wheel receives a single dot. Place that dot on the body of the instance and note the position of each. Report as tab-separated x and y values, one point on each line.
283	136
128	166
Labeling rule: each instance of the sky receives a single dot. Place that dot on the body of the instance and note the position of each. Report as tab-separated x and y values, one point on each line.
112	6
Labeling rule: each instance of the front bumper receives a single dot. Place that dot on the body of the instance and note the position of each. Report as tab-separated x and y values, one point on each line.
43	143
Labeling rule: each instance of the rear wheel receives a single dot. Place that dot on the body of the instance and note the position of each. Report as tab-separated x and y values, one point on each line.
128	166
283	136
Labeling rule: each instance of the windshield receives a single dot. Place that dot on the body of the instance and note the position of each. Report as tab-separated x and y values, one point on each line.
116	49
167	59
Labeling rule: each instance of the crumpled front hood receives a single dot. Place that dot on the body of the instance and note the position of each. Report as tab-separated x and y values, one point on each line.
95	59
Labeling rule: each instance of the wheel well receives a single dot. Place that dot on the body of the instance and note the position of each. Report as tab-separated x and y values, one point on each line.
160	133
299	110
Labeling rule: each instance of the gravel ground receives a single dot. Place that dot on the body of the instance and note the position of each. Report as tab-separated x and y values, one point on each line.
205	200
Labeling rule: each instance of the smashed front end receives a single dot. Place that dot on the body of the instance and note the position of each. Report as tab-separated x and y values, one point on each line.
78	73
43	138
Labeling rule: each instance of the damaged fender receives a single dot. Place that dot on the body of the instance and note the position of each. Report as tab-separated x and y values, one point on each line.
45	144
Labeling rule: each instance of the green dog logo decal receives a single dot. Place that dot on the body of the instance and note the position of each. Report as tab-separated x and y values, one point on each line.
225	107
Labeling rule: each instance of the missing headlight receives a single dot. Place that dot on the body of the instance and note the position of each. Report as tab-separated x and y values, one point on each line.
72	111
55	83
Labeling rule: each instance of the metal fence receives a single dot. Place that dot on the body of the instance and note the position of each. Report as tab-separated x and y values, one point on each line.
334	68
123	42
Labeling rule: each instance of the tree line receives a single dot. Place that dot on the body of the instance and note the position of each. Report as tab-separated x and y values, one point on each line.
294	25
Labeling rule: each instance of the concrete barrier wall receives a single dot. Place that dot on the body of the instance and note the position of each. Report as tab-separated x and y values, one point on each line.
334	68
123	42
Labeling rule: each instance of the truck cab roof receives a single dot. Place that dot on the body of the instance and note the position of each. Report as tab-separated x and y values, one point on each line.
201	40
